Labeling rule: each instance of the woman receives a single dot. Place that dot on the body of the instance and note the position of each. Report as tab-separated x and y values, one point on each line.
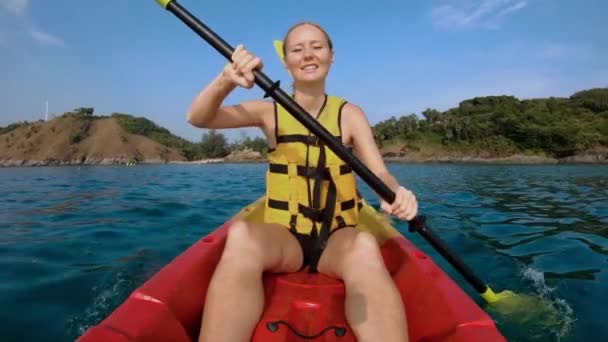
292	235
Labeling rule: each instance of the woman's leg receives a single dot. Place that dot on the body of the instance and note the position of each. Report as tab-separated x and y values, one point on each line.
235	298
374	308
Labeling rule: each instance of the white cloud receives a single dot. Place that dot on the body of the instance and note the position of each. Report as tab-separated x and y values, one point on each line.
16	7
45	38
512	8
482	13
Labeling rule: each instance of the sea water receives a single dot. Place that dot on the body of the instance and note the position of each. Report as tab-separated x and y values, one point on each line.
75	241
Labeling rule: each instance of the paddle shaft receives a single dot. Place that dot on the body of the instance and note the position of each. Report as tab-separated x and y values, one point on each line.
272	89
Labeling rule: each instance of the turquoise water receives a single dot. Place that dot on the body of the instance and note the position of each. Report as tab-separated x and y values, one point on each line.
75	241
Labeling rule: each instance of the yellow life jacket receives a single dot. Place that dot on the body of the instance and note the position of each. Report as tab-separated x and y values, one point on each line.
307	185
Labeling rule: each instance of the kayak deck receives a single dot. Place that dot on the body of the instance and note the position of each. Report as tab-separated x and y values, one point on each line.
298	306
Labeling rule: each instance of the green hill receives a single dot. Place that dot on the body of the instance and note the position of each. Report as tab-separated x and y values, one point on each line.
572	129
499	126
78	137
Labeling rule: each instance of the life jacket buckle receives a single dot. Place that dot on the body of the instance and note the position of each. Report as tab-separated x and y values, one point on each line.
341	222
292	223
313	140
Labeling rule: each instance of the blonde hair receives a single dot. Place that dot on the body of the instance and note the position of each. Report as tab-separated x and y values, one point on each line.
329	42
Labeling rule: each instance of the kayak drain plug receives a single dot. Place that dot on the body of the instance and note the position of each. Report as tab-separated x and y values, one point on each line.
272	326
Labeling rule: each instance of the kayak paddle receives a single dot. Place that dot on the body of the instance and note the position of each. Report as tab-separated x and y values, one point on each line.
273	90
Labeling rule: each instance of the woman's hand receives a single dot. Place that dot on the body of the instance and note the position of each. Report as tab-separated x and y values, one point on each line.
240	71
405	206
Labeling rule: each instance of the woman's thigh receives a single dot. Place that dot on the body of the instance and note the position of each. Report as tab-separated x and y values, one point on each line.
339	243
271	244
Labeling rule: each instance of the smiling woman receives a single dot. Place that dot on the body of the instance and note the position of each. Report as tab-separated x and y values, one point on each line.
299	231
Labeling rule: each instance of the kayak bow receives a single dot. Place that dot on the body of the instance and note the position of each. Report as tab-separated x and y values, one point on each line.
298	306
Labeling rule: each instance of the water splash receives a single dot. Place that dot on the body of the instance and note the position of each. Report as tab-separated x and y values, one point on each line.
106	297
123	276
563	315
538	281
539	316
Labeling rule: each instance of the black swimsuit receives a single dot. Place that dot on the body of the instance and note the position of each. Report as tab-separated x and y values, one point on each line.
310	252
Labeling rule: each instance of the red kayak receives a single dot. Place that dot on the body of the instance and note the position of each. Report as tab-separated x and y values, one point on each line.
299	306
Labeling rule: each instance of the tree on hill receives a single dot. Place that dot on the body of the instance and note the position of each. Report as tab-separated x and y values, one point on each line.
596	100
147	128
85	111
214	145
431	115
12	127
258	144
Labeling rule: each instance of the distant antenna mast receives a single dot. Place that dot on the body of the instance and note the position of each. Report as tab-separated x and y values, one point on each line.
46	112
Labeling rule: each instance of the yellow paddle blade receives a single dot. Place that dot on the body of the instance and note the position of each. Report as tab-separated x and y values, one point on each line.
532	313
508	302
490	297
278	48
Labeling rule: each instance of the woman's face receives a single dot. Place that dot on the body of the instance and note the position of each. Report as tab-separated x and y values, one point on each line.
307	54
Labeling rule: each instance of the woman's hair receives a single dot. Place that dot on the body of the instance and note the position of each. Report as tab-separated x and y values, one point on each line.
306	23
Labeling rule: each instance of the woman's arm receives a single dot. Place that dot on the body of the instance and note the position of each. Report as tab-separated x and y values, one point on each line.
205	111
405	205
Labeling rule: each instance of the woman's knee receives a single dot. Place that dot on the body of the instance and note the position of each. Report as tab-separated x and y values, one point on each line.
241	245
363	256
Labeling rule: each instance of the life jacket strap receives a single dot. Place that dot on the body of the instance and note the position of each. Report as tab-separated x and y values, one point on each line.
309	172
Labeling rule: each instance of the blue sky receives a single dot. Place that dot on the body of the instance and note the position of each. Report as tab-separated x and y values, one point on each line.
392	57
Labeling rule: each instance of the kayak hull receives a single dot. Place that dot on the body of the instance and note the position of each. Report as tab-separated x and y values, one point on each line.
298	306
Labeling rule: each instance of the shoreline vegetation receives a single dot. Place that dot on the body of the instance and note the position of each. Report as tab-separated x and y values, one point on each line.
513	160
486	130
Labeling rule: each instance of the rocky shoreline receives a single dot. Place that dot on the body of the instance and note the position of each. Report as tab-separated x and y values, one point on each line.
439	159
513	159
77	162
